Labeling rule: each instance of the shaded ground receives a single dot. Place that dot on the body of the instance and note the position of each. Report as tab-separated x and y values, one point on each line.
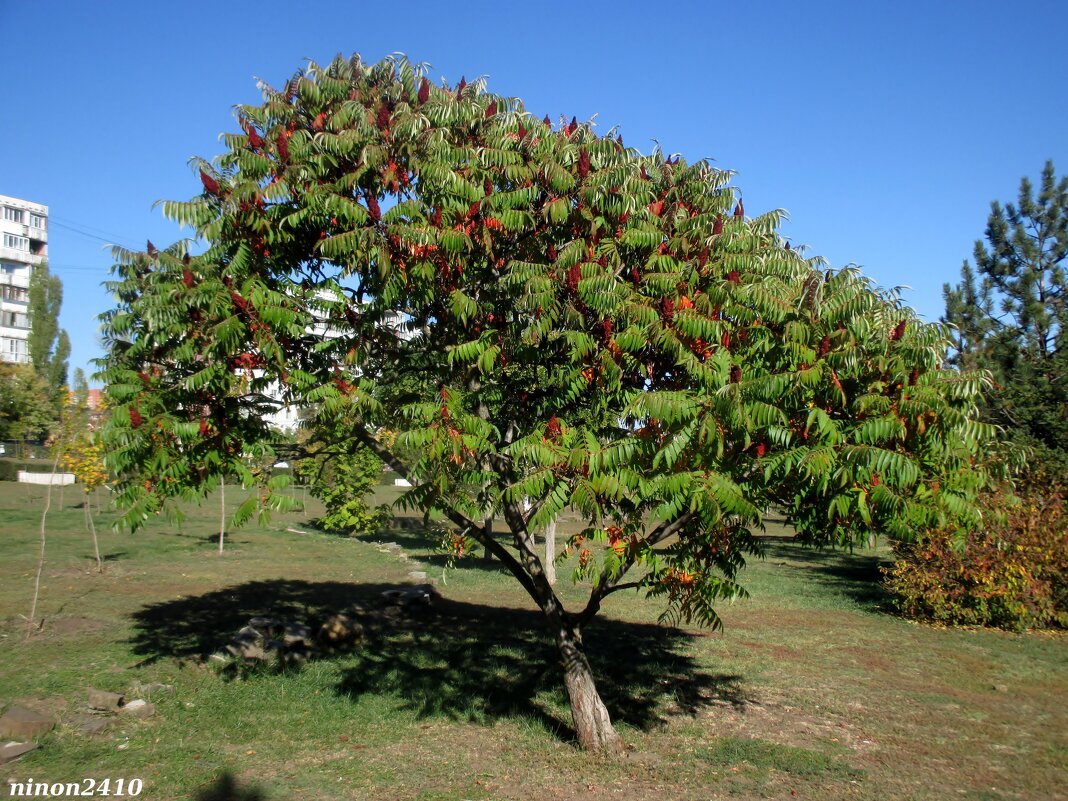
809	690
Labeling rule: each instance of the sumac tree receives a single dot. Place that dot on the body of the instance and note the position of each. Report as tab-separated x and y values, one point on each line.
545	320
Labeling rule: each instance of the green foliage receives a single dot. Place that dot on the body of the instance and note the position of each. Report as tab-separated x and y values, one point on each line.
49	346
547	321
1012	573
23	415
1010	318
342	480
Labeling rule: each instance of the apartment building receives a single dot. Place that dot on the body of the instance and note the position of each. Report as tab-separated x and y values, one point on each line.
23	245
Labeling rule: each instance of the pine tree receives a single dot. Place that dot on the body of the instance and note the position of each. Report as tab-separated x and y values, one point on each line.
1010	314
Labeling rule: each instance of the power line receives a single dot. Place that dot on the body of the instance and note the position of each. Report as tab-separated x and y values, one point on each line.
111	241
86	229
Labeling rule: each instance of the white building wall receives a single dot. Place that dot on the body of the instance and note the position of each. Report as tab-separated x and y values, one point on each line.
23	245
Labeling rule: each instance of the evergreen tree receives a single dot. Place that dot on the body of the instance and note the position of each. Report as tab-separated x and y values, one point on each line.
1010	316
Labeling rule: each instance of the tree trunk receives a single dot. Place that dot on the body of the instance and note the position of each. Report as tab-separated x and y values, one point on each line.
487	554
222	513
92	529
593	726
550	552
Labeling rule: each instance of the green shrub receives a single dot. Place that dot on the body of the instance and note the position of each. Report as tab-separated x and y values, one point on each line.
1012	574
342	481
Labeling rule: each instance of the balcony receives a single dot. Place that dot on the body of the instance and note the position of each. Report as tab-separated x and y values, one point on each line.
21	256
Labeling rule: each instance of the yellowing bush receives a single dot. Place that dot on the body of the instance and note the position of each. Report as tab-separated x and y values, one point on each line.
1012	574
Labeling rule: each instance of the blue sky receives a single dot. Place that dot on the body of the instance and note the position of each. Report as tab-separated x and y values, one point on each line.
883	129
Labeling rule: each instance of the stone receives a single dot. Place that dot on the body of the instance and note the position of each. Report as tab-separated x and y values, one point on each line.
1001	688
155	687
21	723
139	708
13	750
417	575
246	650
340	630
104	701
263	626
90	724
295	632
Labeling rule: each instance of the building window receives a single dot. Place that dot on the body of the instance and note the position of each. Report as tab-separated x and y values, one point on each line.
13	215
15	294
16	242
37	221
12	319
13	348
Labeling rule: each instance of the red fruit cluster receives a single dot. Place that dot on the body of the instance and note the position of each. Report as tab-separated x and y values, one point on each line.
373	208
552	428
187	278
824	348
717	226
736	374
211	186
574	275
383	118
583	165
135	418
899	331
424	91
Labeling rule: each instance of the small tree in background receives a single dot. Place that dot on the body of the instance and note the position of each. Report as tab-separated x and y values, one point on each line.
341	475
547	320
1010	314
49	345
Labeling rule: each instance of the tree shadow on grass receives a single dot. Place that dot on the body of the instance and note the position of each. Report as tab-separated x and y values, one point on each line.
462	661
226	788
855	575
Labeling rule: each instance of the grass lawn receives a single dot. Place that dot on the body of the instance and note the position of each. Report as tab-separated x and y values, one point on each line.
812	691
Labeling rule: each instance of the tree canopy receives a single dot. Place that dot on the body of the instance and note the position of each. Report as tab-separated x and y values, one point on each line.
546	320
49	345
1011	317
